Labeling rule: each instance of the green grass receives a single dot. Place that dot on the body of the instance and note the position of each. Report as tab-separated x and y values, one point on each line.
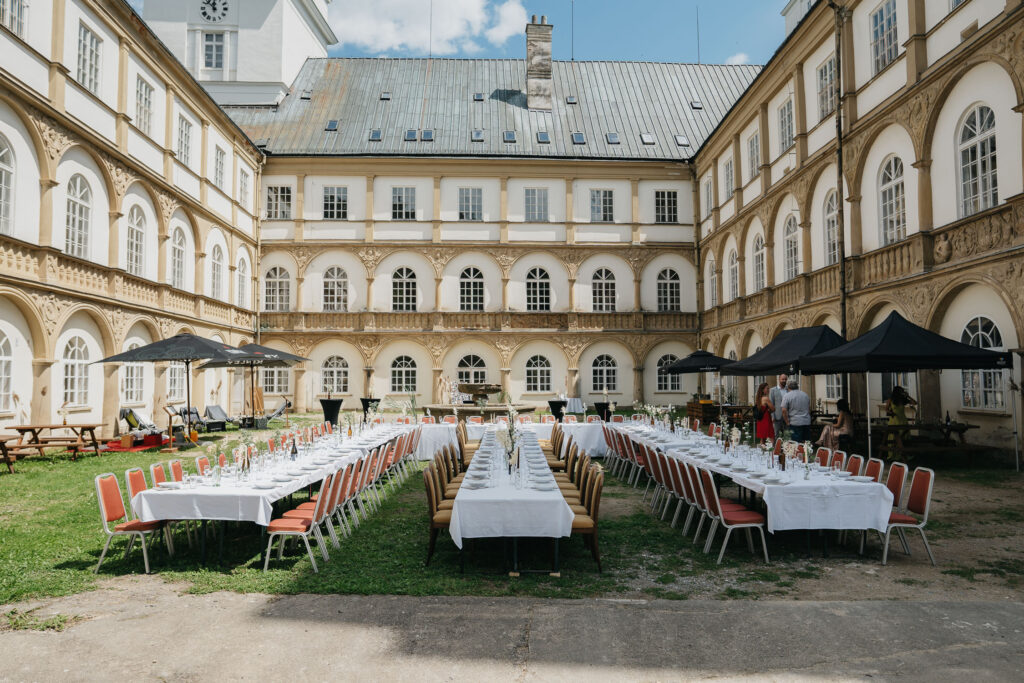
16	620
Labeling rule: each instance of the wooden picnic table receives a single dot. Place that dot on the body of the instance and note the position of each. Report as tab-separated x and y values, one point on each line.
35	437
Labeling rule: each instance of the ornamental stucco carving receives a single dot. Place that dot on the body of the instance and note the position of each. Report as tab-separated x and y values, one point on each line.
56	138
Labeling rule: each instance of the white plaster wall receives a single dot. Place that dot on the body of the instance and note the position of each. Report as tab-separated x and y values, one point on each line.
623	395
425	283
556	272
622	199
381	385
819	131
77	103
39	27
863	61
624	287
687	281
455	353
146	151
894	140
984	84
826	184
313	285
24	64
158	102
19	336
946	37
76	160
488	267
774	104
722	160
750	191
684	197
181	109
313	191
517	198
137	196
24	218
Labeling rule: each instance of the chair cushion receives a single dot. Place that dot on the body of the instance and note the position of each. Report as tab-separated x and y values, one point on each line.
732	506
289	525
578	509
582	522
137	525
298	513
567	486
445	505
742	517
900	518
443	517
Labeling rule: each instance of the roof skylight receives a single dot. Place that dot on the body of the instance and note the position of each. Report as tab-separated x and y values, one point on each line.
385	95
476	135
427	135
410	135
696	104
579	139
613	138
647	138
571	99
682	141
478	97
332	125
509	136
306	94
543	137
375	135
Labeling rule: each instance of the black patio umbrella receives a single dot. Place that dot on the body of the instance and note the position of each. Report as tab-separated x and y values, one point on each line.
253	356
184	348
698	361
786	352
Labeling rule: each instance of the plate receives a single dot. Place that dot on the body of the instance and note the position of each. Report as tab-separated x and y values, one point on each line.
264	485
774	481
310	468
841	475
170	485
861	478
548	487
757	475
281	478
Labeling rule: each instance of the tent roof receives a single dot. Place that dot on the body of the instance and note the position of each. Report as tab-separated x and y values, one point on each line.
785	351
698	361
180	347
255	354
898	345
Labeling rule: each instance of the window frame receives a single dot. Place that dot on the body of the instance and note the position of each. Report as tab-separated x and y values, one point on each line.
471	369
826	73
791	248
892	201
144	105
8	175
669	293
75	365
184	147
668	383
403	203
602	205
734	275
983	389
538	290
471	204
532	212
219	166
213	50
279	202
78	217
760	263
754	155
6	373
471	290
787	129
132	381
14	16
277	290
728	175
884	30
604	374
404	294
334	290
334	375
830	223
403	368
983	163
179	248
217	273
334	203
538	374
603	294
666	207
90	55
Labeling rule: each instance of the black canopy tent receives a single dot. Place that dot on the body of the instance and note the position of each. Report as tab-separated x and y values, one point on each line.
253	356
784	353
183	348
699	361
898	345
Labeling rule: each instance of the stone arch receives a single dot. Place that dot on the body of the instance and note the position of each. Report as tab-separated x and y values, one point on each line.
859	153
948	293
47	163
33	316
863	320
97	317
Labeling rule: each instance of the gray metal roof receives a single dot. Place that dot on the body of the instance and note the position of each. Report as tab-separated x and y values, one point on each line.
628	98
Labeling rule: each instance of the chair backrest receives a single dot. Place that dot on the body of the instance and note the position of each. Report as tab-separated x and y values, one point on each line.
135	480
548	419
596	487
221	460
920	499
501	420
476	420
710	493
895	482
323	498
428	420
711	429
428	485
450	419
636	417
854	464
593	418
675	472
778	446
177	471
108	493
618	418
570	419
823	456
874	469
692	486
202	464
157	474
838	460
526	419
695	426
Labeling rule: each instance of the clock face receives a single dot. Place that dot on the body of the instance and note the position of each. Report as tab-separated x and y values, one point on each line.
213	10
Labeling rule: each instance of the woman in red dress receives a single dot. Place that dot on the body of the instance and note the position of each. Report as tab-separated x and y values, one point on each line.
763	411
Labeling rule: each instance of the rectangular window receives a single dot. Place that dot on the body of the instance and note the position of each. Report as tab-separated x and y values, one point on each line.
243	188
219	161
403	203
279	202
131	383
213	50
13	14
335	203
143	105
754	155
184	140
275	380
603	295
538	376
536	204
827	88
833	387
728	179
708	199
176	381
471	204
89	59
602	207
884	44
666	206
982	389
786	134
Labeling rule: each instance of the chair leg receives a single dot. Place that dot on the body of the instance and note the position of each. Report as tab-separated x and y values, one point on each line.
321	542
331	533
764	544
266	555
131	544
927	547
595	551
750	540
103	554
728	530
309	551
885	546
679	509
430	545
689	519
711	536
903	539
700	525
145	553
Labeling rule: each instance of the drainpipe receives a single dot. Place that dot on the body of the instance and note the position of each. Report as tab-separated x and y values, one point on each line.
841	14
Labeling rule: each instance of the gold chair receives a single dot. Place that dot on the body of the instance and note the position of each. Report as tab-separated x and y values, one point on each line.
586	525
439	519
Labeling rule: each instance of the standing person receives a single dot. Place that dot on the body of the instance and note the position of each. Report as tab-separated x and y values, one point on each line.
775	396
896	409
796	411
763	412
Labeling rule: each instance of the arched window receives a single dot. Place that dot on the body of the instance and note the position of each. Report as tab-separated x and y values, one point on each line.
403	375
669	295
668	382
760	273
335	290
734	275
602	291
334	376
471	290
538	374
403	290
982	388
605	373
791	248
711	283
178	246
831	223
277	290
76	372
6	186
131	380
78	217
135	241
891	201
217	273
977	144
472	370
242	271
538	290
6	367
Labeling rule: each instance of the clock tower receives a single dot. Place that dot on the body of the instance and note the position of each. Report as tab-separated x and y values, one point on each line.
244	52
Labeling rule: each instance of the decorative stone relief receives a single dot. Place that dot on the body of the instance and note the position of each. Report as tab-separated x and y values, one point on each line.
56	138
371	256
121	177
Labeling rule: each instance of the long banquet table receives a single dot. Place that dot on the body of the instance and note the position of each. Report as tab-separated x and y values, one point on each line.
589	437
817	502
489	504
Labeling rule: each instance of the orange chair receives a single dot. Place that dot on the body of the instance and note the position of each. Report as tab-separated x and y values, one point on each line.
222	461
112	510
157	473
874	469
177	471
855	464
618	418
202	464
823	455
428	420
591	419
475	420
735	519
526	419
548	419
838	460
301	527
919	503
450	420
570	419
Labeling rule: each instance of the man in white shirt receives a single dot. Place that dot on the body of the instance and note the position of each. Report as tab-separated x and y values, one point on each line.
775	395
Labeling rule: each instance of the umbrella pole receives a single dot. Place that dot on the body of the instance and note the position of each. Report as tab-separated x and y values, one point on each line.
1016	430
867	407
252	393
188	400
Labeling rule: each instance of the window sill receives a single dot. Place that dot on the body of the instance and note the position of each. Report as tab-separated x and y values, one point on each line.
132	404
983	412
72	410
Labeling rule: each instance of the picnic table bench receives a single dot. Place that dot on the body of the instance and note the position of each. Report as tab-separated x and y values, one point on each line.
36	438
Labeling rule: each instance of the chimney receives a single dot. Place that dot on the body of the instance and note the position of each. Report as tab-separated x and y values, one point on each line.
538	64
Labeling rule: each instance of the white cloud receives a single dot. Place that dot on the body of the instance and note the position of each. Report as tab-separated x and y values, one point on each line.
738	58
382	26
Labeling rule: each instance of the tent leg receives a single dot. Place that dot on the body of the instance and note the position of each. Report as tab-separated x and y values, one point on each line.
867	407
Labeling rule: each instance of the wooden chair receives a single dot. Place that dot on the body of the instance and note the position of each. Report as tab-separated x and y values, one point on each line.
586	525
439	519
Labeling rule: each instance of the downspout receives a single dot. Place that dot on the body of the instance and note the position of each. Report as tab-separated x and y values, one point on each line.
840	16
257	213
696	256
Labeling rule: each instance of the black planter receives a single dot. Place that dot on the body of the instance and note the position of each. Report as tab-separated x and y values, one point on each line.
367	404
604	410
331	407
558	409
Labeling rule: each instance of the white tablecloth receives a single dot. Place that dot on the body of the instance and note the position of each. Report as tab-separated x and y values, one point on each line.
820	502
433	437
245	503
590	437
501	510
